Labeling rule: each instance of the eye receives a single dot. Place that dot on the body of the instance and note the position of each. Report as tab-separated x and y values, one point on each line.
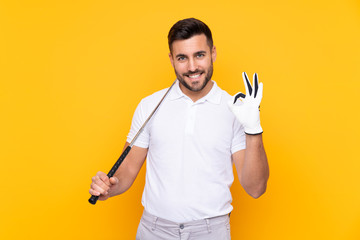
200	55
182	58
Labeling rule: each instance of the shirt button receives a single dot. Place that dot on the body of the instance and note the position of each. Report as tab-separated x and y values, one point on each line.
181	226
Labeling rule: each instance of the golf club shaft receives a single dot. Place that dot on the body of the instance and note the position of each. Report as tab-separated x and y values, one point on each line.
93	199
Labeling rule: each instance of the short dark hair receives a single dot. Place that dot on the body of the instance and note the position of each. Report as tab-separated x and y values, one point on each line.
187	28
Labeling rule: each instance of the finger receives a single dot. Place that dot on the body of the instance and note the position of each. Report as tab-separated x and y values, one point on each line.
93	192
99	185
114	180
101	196
255	84
237	96
104	178
247	84
260	93
98	189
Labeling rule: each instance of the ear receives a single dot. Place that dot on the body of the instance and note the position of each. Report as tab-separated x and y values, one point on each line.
213	54
171	59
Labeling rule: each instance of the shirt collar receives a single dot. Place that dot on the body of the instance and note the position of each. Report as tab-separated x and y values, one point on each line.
214	96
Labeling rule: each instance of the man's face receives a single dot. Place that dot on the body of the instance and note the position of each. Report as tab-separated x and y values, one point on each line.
192	60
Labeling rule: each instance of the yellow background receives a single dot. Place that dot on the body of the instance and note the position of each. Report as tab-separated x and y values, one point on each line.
72	73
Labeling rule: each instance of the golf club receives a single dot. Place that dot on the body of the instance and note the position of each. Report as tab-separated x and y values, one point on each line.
93	199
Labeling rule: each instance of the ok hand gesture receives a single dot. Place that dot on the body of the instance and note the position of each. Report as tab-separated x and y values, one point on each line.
247	113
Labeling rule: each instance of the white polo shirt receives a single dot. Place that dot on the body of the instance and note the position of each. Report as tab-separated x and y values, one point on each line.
189	168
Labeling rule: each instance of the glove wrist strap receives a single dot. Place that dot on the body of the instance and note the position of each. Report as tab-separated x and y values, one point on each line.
254	131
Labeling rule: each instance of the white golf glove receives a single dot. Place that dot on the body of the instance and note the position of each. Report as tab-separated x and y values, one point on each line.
248	113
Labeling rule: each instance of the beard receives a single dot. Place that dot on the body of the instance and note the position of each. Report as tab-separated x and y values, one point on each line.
208	76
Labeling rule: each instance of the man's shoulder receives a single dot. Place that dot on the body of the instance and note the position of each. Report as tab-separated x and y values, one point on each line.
154	97
225	96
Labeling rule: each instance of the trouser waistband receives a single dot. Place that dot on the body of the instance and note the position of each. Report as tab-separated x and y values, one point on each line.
155	222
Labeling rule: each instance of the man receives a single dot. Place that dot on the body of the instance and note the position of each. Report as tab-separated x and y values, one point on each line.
191	144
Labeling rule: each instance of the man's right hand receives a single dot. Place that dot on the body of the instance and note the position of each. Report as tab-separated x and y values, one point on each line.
103	186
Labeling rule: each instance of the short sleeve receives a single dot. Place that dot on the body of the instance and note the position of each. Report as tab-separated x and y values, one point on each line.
137	121
239	138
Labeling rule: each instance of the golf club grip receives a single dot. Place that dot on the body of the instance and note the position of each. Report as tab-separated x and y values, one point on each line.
93	199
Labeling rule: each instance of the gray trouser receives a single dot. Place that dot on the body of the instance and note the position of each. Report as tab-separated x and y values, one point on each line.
154	228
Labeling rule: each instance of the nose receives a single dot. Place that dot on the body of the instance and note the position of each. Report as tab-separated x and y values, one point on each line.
192	66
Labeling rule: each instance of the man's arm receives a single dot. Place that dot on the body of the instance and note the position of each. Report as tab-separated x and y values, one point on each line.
252	166
123	178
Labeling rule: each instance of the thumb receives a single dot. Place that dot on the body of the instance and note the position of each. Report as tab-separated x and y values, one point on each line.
114	180
233	108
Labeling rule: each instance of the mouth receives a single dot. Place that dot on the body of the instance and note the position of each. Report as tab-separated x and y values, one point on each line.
194	76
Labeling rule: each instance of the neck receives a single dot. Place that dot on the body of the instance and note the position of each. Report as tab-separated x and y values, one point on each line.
196	95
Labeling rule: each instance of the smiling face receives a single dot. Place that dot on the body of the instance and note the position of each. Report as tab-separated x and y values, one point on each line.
192	60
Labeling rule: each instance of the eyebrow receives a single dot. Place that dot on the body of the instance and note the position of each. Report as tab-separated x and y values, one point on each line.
180	55
202	52
196	53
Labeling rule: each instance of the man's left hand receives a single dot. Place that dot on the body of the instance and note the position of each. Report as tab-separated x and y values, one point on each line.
248	113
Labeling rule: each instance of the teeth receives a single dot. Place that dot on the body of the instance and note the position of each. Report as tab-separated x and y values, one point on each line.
194	76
